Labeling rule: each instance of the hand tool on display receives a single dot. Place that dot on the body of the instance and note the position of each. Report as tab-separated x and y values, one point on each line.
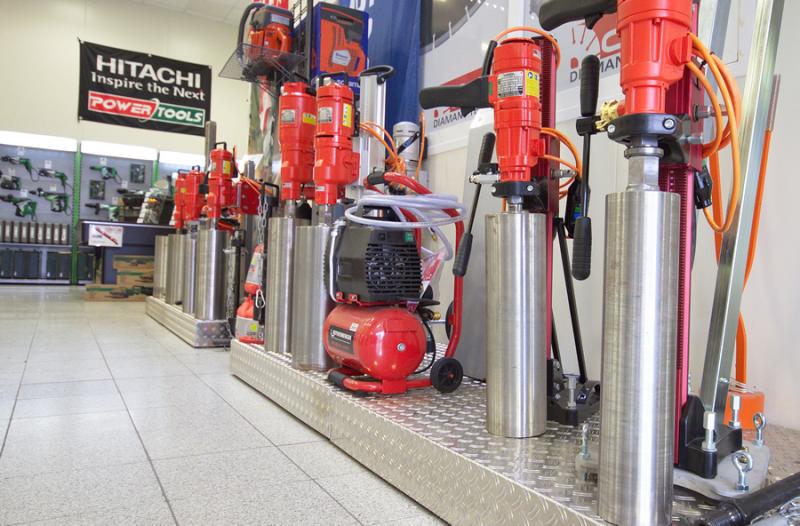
24	207
10	182
97	207
518	83
269	41
19	161
107	172
54	174
59	201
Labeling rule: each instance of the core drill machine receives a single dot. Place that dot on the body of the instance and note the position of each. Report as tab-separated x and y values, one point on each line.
518	82
648	254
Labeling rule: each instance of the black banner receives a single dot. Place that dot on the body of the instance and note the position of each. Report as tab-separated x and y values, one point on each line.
143	91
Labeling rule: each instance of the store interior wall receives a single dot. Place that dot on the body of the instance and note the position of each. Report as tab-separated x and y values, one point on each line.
39	91
770	302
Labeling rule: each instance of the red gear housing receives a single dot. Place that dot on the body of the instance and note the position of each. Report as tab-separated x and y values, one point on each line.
296	130
336	163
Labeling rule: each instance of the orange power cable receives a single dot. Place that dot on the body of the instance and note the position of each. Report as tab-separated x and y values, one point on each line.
547	36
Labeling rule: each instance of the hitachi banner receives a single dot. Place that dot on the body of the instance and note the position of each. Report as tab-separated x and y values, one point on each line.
139	90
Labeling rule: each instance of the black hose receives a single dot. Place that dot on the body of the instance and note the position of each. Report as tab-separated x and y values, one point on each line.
433	339
243	21
744	509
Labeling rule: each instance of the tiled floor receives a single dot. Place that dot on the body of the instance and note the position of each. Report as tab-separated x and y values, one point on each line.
108	418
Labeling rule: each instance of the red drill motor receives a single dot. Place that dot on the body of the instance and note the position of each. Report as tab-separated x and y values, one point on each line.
298	122
193	200
179	211
220	180
336	163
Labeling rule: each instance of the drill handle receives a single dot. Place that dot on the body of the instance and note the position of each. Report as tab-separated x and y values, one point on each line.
555	13
474	94
590	85
461	261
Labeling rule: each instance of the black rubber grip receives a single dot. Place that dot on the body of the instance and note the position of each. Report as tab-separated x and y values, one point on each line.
474	94
590	85
582	249
376	178
337	378
487	149
461	261
555	13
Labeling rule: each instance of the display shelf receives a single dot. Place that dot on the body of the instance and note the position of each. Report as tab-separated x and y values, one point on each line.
478	478
264	66
36	245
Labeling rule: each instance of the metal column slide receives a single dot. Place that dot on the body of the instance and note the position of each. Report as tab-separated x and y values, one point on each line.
435	448
735	242
713	23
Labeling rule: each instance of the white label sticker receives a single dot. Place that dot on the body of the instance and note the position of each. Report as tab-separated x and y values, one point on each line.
510	84
325	115
48	165
20	150
288	116
353	327
12	170
124	184
103	161
53	188
23	192
105	236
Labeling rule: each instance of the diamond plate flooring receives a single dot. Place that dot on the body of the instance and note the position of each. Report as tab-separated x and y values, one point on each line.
108	418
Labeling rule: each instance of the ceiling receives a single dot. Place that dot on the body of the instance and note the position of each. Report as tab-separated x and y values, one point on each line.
228	11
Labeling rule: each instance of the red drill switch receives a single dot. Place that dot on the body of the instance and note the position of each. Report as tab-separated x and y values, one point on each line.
654	35
336	164
298	123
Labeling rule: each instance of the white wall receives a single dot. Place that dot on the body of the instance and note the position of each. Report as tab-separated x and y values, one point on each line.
771	304
39	60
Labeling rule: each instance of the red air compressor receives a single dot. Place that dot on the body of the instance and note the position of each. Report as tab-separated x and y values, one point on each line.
379	333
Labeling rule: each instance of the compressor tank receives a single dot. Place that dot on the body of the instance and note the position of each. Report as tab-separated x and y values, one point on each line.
160	264
189	266
311	302
516	324
387	343
280	252
638	369
175	269
209	293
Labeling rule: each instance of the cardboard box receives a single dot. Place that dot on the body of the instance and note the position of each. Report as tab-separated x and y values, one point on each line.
128	262
135	278
101	292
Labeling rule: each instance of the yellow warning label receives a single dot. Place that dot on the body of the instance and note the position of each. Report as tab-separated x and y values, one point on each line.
309	118
531	83
226	167
347	116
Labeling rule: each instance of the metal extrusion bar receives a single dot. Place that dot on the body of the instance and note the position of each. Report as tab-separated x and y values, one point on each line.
735	242
197	333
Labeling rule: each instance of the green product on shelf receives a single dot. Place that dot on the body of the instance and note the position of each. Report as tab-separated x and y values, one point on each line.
107	172
25	207
55	174
10	182
19	161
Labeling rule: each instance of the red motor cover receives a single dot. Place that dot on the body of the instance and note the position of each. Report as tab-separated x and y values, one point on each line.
220	185
336	164
514	95
655	46
298	124
193	199
386	343
179	212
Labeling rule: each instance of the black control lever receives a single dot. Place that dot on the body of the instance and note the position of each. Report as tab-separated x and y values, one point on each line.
461	261
582	245
468	96
554	13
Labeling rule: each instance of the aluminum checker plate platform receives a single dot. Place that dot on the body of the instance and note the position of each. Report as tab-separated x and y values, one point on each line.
196	333
434	448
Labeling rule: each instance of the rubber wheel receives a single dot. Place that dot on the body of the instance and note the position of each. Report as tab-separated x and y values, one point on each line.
448	326
446	375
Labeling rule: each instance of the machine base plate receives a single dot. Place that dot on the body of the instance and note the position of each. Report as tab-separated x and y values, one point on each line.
196	333
434	447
